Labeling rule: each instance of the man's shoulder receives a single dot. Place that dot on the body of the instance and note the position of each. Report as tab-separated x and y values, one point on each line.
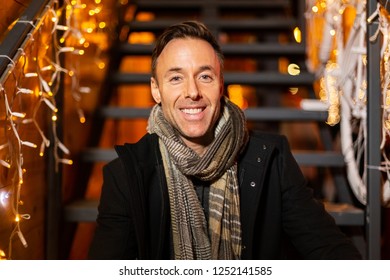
143	150
143	145
146	140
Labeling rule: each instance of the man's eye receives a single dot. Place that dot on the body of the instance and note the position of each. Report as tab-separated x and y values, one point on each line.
174	79
206	77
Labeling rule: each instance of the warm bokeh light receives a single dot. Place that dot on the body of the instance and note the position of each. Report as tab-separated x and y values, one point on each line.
293	69
293	90
297	35
236	95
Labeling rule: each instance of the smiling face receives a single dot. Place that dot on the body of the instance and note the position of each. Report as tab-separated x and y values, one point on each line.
189	86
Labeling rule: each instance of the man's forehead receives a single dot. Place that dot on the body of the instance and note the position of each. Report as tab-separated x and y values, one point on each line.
186	43
200	68
180	51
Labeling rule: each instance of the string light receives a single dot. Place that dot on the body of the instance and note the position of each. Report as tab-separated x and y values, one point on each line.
4	196
293	69
297	35
48	69
340	63
2	255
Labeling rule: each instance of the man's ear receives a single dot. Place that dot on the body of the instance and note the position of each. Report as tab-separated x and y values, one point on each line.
155	90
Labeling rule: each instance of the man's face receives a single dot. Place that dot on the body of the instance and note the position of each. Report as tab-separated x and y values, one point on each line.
189	87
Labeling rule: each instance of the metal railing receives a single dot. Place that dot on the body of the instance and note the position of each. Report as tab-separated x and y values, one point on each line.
12	45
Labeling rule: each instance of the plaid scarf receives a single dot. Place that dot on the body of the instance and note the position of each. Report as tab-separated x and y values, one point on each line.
192	238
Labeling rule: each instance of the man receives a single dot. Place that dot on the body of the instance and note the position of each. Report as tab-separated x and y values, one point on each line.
198	186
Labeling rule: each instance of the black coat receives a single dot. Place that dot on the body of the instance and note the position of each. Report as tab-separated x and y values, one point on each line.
134	215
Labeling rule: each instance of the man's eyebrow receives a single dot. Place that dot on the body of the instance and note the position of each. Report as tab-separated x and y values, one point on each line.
179	69
174	69
201	68
207	67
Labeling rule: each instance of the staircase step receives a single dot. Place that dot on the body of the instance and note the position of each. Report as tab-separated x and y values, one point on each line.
345	214
252	114
153	4
284	114
319	158
268	78
250	49
266	24
231	49
98	155
87	211
124	112
260	78
304	158
81	211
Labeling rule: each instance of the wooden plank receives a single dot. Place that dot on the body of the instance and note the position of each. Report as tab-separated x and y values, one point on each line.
81	211
230	49
306	158
252	114
344	214
222	24
260	78
153	4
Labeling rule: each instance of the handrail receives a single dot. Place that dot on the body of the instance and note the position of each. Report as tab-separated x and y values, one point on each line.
373	208
18	36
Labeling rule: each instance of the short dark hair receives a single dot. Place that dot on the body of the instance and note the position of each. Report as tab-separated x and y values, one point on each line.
186	29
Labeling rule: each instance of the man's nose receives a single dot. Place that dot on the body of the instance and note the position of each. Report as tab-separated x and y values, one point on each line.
192	89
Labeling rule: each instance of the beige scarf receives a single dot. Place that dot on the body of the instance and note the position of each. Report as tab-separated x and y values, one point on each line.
192	239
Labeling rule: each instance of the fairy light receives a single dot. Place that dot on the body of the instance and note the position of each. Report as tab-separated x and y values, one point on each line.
330	12
297	35
49	67
293	90
31	75
293	69
386	83
28	144
2	255
101	65
24	91
5	163
330	93
69	38
342	75
4	197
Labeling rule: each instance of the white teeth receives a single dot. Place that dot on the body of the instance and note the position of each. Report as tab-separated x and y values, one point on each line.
192	111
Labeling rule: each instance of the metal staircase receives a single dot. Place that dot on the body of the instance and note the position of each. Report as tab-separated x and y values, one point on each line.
268	26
